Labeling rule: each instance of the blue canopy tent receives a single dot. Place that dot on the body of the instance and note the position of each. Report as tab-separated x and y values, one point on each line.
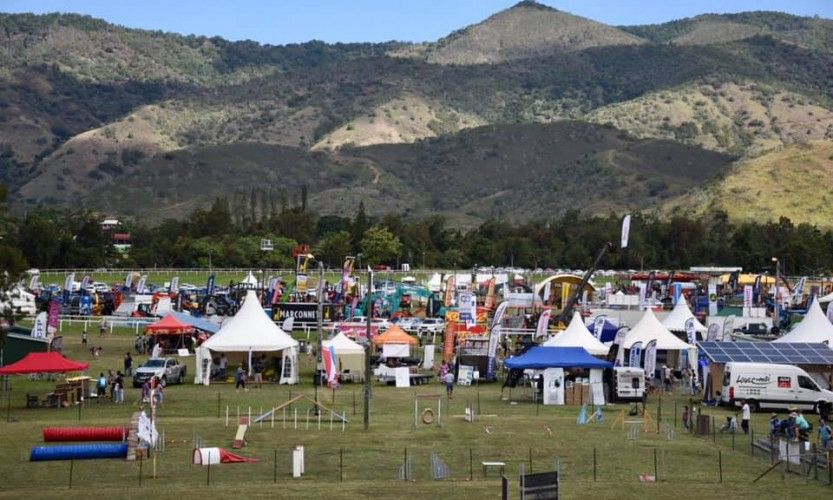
540	357
608	331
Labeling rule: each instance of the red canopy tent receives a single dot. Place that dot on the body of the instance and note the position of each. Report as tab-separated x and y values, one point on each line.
169	325
43	362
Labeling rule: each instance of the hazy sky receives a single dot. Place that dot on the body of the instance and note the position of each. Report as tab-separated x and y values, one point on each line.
285	21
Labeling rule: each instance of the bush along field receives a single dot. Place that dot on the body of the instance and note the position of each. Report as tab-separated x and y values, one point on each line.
393	459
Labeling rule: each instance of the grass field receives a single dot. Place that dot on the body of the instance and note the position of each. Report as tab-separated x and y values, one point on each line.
369	462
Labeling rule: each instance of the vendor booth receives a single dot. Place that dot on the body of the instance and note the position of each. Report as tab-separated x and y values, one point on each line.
552	361
66	392
649	328
814	328
350	356
171	332
676	320
248	333
395	342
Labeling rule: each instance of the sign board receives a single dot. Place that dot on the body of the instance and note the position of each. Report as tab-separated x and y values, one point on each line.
553	386
539	486
465	375
395	350
304	313
428	357
403	377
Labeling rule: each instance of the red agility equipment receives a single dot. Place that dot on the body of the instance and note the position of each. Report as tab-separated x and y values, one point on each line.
64	434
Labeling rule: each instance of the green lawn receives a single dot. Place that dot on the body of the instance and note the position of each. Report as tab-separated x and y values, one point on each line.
369	461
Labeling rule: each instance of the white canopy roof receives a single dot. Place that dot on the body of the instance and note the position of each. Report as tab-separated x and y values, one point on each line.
577	335
675	321
343	345
649	328
827	298
249	279
815	327
250	330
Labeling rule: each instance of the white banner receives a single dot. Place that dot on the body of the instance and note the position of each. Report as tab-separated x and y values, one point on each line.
635	355
690	332
598	326
747	295
618	341
39	329
712	299
543	324
711	336
69	281
174	284
140	286
830	311
651	358
499	313
626	230
728	328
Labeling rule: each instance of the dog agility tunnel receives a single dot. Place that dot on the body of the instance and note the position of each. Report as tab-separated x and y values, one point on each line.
78	452
74	434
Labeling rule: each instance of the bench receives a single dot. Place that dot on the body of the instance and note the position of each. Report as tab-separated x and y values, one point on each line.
488	465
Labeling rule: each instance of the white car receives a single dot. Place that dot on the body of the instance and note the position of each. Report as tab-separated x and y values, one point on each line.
431	326
409	324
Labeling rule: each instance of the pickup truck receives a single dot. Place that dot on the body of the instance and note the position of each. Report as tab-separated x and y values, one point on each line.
166	369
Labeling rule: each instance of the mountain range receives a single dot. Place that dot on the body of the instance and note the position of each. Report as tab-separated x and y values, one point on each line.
529	113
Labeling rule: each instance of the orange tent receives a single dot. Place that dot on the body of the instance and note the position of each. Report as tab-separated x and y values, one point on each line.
394	335
169	325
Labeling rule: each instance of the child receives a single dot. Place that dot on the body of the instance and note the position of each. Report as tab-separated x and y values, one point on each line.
825	434
241	378
449	384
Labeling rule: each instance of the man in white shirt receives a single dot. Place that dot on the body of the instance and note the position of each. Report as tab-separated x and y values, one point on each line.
746	416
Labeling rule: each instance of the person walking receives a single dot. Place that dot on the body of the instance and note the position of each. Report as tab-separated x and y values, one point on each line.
449	384
240	378
128	365
746	416
825	435
118	391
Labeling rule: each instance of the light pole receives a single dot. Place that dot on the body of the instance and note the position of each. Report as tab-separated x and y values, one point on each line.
775	310
318	355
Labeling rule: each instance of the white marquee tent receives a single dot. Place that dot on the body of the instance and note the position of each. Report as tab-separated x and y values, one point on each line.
249	331
350	355
649	328
676	319
577	335
814	328
249	280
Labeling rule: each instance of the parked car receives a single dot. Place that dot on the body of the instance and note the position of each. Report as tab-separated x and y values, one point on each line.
771	386
166	369
409	324
431	326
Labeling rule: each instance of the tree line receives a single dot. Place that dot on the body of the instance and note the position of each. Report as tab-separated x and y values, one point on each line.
47	238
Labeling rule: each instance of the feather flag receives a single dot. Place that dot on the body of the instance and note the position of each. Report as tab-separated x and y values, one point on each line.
543	324
331	365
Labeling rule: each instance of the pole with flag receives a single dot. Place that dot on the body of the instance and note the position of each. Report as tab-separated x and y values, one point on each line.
635	354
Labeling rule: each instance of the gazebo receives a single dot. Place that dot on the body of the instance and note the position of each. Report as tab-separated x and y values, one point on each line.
395	342
44	362
814	328
577	335
649	328
676	319
350	356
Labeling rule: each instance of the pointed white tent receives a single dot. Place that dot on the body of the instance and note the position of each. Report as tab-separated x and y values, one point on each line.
649	328
815	327
577	335
675	321
250	330
249	280
350	356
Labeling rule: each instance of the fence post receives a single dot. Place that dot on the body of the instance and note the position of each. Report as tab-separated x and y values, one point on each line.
714	431
594	464
656	471
275	468
752	442
530	459
140	471
471	464
675	413
208	470
733	441
405	464
71	462
341	464
218	404
9	405
720	465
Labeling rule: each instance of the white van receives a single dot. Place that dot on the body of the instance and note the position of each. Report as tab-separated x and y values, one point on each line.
771	386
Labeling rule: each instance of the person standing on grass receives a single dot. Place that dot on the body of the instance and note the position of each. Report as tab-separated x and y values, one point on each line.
84	339
119	388
746	416
449	384
825	434
128	365
111	383
443	371
240	378
101	386
102	328
686	417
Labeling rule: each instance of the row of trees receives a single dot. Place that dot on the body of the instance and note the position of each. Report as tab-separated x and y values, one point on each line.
212	237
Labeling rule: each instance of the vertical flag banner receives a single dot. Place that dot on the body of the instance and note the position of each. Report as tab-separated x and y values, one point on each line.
209	287
449	291
626	230
748	293
490	294
331	365
712	299
85	282
175	284
39	329
543	324
756	289
498	317
140	286
53	319
651	358
599	325
711	336
128	280
68	286
34	282
690	332
678	291
728	328
798	291
635	355
619	344
491	365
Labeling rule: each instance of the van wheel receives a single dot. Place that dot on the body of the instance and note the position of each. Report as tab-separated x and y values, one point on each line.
754	406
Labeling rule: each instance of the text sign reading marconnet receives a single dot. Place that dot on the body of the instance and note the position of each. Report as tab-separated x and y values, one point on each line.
305	313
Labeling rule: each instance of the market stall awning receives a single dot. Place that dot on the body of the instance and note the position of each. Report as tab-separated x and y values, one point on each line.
540	357
169	325
394	335
43	362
